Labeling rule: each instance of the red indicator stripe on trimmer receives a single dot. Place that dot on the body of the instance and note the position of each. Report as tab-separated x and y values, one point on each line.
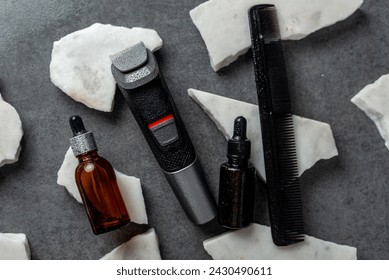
160	121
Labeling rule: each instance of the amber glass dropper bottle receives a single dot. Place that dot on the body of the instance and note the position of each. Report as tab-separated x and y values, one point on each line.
96	182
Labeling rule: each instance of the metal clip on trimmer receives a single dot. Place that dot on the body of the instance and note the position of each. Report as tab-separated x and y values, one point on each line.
136	72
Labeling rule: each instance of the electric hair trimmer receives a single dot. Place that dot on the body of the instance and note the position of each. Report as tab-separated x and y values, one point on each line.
137	74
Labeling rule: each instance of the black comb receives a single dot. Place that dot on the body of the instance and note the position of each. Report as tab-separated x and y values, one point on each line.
282	178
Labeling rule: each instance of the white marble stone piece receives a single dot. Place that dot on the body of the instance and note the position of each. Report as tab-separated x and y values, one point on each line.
130	188
224	25
314	139
374	101
14	246
80	64
11	133
144	246
255	243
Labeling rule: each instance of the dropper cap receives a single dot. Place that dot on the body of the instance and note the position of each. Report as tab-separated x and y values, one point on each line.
239	147
77	125
82	141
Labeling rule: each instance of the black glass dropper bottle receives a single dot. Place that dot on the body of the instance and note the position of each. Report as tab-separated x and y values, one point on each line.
237	181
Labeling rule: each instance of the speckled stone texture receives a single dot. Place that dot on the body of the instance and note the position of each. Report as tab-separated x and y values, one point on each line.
345	198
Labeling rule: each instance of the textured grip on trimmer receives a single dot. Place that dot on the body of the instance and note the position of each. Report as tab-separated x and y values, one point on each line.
161	124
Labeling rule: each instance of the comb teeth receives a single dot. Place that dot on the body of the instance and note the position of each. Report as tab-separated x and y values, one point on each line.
285	190
282	178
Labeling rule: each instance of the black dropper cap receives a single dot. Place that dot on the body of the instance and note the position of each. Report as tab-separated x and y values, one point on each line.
239	147
77	125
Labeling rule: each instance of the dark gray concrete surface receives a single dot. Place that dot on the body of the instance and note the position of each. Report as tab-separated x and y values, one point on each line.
345	198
